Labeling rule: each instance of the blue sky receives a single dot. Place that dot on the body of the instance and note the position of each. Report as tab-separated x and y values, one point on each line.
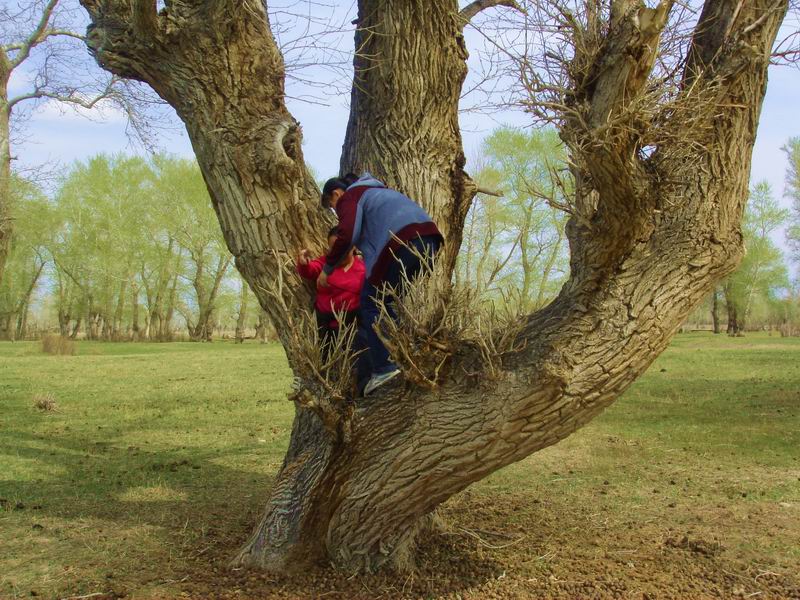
55	136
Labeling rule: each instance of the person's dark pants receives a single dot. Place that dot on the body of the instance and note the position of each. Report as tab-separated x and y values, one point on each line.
327	334
406	265
327	338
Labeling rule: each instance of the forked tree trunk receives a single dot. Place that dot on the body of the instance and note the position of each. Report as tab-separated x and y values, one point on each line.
206	299
653	235
732	310
76	328
5	164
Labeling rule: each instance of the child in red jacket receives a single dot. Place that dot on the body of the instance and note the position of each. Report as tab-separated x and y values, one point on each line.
342	292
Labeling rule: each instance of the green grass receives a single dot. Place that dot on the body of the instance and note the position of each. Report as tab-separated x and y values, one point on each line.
143	437
157	453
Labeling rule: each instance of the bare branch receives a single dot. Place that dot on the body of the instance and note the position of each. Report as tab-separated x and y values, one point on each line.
488	192
71	96
43	37
36	35
468	12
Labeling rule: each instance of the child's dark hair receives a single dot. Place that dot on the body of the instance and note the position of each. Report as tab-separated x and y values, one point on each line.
336	183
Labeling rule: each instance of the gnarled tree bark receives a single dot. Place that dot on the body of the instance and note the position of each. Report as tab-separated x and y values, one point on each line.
651	235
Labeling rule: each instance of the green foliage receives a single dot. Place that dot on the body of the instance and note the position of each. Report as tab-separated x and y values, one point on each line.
515	243
196	230
132	243
34	219
762	278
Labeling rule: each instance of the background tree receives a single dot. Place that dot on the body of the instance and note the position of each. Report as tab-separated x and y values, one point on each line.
41	44
659	149
198	235
27	259
516	240
96	246
762	271
792	150
135	241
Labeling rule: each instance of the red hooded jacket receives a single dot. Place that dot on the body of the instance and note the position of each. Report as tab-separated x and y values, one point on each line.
344	286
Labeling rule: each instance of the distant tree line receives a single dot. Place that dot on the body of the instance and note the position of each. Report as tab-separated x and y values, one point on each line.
127	248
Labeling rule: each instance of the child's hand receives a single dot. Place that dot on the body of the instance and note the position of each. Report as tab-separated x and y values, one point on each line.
322	280
304	257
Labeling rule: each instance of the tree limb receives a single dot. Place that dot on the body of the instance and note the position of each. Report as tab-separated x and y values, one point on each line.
472	9
69	98
488	192
145	17
36	35
44	36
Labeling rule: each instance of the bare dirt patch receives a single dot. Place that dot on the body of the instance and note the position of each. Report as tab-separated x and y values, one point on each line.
521	546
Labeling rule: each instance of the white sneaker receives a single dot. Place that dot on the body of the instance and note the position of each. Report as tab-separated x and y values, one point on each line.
377	381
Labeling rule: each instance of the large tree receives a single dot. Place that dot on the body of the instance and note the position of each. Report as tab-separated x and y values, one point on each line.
660	183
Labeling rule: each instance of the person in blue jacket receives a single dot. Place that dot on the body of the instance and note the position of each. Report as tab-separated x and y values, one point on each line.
395	236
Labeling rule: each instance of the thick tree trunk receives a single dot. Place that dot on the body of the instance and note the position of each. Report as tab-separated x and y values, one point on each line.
731	310
652	236
715	309
116	327
6	327
403	125
93	322
63	323
135	331
166	325
262	326
242	317
6	223
25	303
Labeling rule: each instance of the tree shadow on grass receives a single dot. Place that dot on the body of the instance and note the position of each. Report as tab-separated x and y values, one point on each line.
164	522
158	508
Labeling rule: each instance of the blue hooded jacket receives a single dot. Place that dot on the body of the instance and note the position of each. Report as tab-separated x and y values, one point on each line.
376	219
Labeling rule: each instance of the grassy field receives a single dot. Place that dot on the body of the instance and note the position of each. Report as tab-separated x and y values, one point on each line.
157	459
